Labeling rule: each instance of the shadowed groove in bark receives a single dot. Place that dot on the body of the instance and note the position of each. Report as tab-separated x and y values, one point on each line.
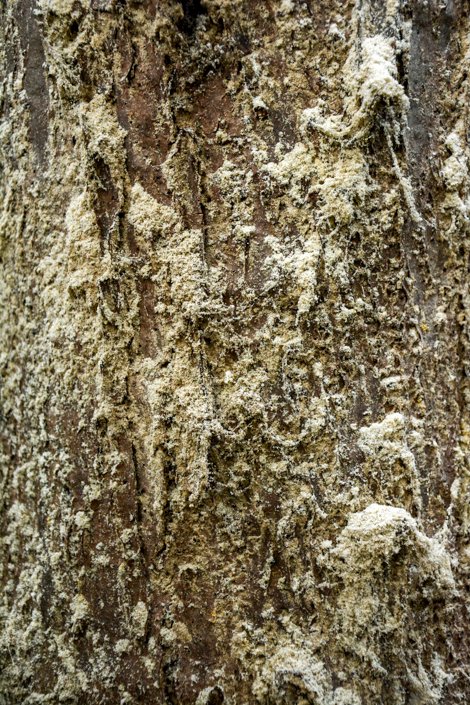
35	83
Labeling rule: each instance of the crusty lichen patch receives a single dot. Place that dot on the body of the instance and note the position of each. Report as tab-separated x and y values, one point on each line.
388	570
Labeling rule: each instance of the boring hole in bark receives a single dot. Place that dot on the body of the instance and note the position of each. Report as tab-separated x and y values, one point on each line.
216	696
192	9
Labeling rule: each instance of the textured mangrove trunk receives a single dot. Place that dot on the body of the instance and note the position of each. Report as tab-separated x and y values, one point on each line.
233	350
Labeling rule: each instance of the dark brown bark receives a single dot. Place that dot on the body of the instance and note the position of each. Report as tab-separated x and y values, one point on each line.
234	352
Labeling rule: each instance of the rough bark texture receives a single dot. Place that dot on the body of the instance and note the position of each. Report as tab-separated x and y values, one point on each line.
233	311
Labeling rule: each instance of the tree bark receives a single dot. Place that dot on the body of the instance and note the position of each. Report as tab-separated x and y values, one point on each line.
234	350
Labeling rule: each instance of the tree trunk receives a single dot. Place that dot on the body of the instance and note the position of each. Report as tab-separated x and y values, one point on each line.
233	312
